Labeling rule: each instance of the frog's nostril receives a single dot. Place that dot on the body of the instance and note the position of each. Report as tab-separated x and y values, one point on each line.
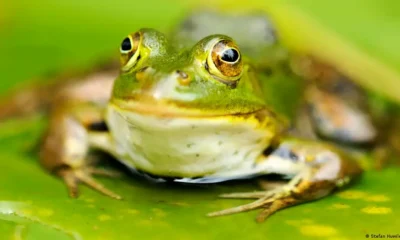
182	74
183	78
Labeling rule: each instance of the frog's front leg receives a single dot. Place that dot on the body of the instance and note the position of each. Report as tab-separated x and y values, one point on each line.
317	169
67	142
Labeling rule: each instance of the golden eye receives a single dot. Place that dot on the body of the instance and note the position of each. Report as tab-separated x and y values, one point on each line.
224	61
130	52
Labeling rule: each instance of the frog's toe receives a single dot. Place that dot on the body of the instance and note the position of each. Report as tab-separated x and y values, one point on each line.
246	195
71	181
243	208
72	177
275	206
265	199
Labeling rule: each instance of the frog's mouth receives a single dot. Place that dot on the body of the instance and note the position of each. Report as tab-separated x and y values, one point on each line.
177	109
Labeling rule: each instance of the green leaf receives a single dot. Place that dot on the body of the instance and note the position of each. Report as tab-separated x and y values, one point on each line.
42	36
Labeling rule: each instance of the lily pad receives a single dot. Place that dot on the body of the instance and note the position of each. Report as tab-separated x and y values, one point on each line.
34	205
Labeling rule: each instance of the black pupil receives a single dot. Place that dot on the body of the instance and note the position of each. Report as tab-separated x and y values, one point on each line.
126	44
230	55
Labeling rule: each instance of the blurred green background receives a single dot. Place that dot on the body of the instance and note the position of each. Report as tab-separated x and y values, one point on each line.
38	37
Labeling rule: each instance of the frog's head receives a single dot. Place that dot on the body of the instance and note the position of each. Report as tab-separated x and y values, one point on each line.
209	79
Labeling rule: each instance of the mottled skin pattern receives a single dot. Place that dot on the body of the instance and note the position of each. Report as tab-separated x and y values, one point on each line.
165	80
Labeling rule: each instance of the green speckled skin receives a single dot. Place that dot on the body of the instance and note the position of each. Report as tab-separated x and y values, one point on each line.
203	93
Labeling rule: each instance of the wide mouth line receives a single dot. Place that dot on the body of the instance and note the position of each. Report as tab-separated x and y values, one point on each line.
171	110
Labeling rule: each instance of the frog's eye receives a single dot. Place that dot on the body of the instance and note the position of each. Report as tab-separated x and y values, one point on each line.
130	52
224	61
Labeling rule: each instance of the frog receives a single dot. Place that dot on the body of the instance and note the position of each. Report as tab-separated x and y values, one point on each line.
194	114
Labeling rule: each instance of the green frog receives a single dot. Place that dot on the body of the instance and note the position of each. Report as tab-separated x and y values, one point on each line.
194	113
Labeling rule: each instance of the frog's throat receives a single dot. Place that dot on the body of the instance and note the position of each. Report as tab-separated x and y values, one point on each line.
175	110
223	147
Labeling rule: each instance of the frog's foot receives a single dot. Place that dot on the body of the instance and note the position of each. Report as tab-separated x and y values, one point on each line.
66	145
271	201
72	177
318	170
